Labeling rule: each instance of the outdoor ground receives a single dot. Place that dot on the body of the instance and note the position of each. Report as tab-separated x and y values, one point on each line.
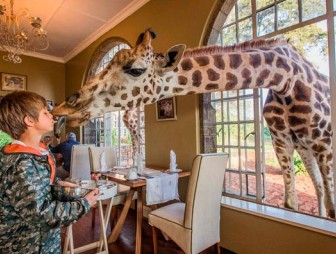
303	185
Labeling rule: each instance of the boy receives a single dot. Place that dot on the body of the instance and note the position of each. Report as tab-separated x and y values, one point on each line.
30	219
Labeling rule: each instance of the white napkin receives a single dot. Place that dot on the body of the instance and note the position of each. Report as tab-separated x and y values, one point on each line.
102	159
162	189
139	163
172	165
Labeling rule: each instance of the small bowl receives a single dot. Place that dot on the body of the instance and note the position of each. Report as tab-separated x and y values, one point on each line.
67	193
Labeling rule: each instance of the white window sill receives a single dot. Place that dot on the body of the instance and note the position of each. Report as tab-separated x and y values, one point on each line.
320	225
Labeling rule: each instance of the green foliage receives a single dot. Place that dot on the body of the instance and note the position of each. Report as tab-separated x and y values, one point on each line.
267	134
299	168
4	139
115	140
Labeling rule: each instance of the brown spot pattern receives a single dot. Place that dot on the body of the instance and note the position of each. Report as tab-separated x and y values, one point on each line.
182	80
212	75
232	81
273	109
202	60
210	86
304	109
255	60
135	91
177	90
186	64
219	62
294	121
277	78
235	60
269	57
301	92
282	63
107	102
196	78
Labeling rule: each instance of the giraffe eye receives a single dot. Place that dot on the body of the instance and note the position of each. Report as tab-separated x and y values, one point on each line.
72	99
135	72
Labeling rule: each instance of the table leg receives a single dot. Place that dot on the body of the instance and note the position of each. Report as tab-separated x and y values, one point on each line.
117	228
139	222
103	227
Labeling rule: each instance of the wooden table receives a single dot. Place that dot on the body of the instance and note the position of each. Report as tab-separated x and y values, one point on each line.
136	186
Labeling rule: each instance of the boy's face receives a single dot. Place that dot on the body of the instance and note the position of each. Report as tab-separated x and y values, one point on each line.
45	121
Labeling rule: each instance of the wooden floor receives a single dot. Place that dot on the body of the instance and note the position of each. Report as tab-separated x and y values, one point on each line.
84	234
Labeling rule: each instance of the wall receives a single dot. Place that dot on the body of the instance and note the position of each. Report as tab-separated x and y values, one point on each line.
174	22
247	233
44	77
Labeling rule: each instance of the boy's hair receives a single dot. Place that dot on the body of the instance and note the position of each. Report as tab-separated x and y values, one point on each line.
14	107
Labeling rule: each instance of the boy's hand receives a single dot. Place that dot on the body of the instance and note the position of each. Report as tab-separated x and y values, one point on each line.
95	176
65	183
92	196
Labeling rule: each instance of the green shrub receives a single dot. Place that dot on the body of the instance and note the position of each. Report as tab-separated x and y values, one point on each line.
298	166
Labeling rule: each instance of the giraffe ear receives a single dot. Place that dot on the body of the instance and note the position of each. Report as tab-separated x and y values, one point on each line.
173	57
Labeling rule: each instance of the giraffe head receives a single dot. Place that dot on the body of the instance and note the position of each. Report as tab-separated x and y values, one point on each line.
134	77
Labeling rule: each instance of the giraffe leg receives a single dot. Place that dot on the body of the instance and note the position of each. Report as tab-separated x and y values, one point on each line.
311	165
325	165
285	159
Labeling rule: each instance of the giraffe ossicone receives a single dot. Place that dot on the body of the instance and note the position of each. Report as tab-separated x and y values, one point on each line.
297	108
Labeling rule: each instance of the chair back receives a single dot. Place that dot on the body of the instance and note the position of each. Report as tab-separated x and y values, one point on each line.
80	163
96	155
202	212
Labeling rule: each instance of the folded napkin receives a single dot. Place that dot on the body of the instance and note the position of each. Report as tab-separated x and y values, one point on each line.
162	188
139	162
102	160
172	165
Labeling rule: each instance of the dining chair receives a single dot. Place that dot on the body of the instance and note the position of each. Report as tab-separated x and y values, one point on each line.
95	157
80	162
195	225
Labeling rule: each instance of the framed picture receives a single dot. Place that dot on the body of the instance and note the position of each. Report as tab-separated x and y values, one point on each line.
12	82
166	109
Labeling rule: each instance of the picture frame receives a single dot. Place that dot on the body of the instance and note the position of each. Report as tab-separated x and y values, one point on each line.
166	109
13	82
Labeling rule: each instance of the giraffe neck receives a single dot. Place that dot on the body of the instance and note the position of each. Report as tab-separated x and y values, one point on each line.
273	67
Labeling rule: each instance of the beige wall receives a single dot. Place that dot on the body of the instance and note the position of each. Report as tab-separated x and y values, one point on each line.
44	77
245	233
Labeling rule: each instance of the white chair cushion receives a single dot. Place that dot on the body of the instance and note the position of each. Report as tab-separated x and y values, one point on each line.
169	219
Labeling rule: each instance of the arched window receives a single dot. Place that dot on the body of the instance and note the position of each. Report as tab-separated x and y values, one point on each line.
231	120
109	129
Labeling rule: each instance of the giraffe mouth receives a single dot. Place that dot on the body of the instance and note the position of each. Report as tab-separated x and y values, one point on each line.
60	121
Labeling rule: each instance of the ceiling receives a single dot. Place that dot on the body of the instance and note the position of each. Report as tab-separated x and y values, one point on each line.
72	25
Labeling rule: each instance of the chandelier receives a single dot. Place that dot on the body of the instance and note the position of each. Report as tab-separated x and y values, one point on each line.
16	36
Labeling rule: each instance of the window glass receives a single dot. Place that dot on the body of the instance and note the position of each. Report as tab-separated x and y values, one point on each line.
263	3
287	13
313	8
245	30
265	22
244	8
229	35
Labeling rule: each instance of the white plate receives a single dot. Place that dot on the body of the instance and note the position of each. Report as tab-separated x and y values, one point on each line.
175	171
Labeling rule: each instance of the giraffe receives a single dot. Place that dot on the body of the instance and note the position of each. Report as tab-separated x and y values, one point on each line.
131	121
297	108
